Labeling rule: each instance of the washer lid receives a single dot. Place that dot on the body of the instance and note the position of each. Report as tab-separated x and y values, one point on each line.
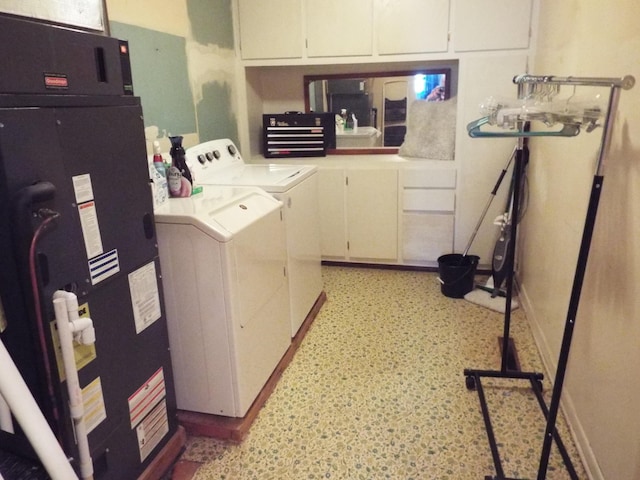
219	211
272	177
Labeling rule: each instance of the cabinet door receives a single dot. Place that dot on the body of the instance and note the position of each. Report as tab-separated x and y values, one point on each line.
270	29
491	25
331	199
372	199
338	28
413	26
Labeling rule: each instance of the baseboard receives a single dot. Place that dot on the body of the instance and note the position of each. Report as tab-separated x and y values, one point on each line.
393	266
550	363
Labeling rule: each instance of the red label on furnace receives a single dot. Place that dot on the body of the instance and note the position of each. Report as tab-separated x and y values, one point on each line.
55	80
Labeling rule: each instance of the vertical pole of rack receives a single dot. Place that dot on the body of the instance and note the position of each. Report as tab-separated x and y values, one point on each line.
511	252
578	280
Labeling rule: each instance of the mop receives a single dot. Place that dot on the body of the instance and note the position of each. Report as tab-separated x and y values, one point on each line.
490	294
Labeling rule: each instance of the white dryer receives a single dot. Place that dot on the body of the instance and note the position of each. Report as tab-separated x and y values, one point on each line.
223	258
218	162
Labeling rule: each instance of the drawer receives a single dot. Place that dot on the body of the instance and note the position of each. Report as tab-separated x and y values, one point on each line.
426	236
428	178
428	200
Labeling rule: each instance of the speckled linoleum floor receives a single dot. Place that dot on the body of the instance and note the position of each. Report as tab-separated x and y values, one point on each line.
377	391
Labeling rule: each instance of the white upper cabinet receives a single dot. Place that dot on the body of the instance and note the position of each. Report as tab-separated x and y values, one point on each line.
337	28
491	25
271	29
294	31
412	26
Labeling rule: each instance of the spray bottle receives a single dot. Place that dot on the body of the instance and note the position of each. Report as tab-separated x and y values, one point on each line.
158	172
179	176
158	161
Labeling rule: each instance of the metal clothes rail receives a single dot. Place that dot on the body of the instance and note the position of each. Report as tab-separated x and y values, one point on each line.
531	86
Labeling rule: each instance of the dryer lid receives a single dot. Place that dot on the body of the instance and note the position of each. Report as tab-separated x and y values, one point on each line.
219	211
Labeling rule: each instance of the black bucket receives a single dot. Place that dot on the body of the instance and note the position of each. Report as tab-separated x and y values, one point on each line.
457	273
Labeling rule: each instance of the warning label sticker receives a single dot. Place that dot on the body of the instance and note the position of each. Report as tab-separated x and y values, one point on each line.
146	397
90	228
93	401
152	429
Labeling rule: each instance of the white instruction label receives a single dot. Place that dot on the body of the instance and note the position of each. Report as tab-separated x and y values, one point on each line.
145	298
83	188
152	429
93	401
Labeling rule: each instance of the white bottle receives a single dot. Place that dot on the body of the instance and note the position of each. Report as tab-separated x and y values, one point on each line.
158	177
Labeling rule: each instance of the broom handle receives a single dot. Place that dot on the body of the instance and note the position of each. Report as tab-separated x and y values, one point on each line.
491	197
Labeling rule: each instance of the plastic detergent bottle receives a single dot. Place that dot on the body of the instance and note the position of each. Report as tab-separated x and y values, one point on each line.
158	161
179	175
159	176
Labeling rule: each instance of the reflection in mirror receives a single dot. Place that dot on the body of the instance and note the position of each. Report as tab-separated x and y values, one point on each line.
371	109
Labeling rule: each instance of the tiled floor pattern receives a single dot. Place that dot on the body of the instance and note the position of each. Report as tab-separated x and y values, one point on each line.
376	391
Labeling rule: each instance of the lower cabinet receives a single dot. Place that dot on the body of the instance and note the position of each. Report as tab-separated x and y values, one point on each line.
359	214
333	213
372	214
401	215
428	214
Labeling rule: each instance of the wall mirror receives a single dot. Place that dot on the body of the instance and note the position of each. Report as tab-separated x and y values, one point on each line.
379	103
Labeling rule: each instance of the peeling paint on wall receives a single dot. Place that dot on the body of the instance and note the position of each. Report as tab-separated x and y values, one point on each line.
215	117
187	83
211	22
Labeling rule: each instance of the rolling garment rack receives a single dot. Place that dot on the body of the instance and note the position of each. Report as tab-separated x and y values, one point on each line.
536	95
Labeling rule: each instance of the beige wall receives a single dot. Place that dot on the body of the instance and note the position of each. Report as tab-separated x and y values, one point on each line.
167	16
602	388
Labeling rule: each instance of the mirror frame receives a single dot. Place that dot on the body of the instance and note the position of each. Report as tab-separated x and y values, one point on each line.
307	79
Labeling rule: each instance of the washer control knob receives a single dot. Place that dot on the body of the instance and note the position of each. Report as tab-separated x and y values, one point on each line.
201	159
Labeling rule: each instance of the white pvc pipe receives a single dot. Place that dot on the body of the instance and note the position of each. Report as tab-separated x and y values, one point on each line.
6	421
65	305
25	409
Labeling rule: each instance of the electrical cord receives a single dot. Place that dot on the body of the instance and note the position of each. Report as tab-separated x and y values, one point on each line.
49	216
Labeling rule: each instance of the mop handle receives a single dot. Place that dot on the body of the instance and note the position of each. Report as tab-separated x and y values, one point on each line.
491	197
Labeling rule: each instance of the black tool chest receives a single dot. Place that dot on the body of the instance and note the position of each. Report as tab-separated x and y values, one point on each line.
298	134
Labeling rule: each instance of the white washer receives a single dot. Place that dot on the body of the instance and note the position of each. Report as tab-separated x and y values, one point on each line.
218	162
223	258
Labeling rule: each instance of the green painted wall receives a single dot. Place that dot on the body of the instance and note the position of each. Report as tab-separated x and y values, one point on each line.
160	78
215	116
211	22
159	62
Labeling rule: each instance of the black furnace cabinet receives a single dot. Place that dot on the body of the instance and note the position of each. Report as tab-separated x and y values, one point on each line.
73	157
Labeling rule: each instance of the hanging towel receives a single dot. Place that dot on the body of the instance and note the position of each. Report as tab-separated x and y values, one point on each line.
431	130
